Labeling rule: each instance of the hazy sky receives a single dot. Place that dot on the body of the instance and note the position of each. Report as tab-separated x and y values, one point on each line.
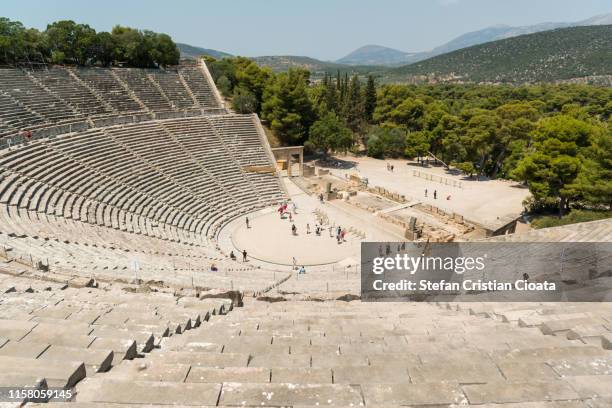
325	29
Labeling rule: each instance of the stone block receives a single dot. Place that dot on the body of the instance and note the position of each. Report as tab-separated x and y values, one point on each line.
57	373
229	374
147	392
413	394
504	392
96	360
235	394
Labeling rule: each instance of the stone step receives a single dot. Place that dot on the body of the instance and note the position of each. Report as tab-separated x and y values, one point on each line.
505	392
219	360
123	349
145	340
147	392
95	360
434	394
23	349
283	394
150	370
57	373
229	374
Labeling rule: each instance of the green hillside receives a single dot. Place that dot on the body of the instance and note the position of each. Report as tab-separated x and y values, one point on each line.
190	51
540	57
317	68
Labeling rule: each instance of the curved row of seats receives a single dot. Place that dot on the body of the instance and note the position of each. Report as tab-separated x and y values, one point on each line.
177	179
57	95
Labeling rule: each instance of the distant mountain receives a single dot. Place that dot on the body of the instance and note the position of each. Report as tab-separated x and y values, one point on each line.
602	19
316	67
498	32
190	51
284	62
559	54
377	55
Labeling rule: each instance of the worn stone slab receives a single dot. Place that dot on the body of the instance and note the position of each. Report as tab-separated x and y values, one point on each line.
97	360
256	348
592	386
371	375
505	392
564	326
65	373
538	319
334	360
85	316
100	405
58	338
229	374
15	329
544	354
302	375
54	312
10	380
600	403
122	348
23	349
145	340
147	370
192	346
236	394
413	394
403	360
524	371
463	372
147	392
582	366
219	360
541	404
283	361
364	349
64	326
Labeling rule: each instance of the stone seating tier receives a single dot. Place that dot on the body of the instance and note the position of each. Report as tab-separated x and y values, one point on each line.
31	100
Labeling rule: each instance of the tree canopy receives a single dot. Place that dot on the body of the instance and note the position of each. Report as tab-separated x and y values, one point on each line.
67	42
554	138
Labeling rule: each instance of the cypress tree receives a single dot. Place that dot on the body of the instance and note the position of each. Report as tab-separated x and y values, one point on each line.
369	100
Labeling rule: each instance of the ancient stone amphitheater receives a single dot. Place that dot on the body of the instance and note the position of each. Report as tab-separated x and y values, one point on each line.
115	185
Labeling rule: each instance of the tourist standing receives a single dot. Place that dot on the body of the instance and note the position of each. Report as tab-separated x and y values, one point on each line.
244	255
247	222
435	194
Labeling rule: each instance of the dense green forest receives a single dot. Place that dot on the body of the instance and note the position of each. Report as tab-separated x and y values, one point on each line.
539	57
555	138
66	42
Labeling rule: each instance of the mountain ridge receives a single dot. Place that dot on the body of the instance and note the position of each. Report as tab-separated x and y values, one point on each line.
548	56
487	34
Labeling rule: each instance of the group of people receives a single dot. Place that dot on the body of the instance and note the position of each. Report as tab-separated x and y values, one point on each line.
340	234
390	167
244	255
435	195
301	270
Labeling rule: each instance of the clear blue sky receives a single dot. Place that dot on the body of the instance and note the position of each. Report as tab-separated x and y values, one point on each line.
325	29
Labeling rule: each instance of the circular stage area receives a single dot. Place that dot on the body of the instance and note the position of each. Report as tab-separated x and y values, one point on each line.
269	239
